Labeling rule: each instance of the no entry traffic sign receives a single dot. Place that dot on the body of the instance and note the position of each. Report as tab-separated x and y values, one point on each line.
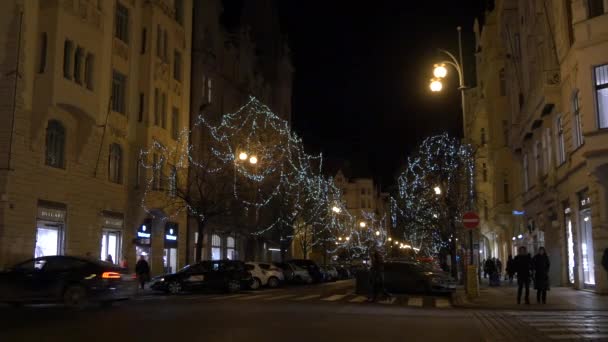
470	220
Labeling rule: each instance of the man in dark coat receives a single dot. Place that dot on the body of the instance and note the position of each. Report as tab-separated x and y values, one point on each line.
541	264
522	265
142	269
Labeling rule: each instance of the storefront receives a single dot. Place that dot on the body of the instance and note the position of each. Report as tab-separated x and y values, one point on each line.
50	229
586	238
143	240
171	247
111	236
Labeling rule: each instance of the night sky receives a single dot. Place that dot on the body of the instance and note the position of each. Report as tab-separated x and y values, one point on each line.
362	72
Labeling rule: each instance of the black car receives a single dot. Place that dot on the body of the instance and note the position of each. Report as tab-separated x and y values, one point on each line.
312	268
405	276
74	281
225	275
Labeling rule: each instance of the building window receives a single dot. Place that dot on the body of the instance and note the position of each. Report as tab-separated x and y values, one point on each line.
157	169
561	146
482	138
110	245
505	190
577	129
165	46
140	113
55	144
42	52
595	8
163	122
122	23
484	172
216	247
502	82
139	171
601	94
485	209
119	89
88	71
505	132
156	106
179	11
231	248
537	158
526	172
144	34
209	90
67	59
546	154
177	66
517	46
115	164
159	42
173	182
175	123
78	55
569	23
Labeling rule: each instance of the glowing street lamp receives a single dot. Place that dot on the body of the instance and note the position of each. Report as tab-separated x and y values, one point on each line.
440	71
253	160
336	209
243	156
347	238
362	224
390	239
340	238
437	190
396	242
377	233
436	85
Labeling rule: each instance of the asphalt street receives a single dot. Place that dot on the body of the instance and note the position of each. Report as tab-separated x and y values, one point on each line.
318	312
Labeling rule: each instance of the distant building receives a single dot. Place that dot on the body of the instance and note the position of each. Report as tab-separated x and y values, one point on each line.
89	85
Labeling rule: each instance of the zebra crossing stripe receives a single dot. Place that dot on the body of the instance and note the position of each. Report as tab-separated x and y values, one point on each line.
334	298
307	297
279	297
358	299
253	297
414	301
228	297
442	303
390	300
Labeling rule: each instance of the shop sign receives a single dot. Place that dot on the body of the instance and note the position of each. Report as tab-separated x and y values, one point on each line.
57	215
112	222
144	233
171	232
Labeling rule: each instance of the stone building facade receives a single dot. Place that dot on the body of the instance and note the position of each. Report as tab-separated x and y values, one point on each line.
555	57
97	82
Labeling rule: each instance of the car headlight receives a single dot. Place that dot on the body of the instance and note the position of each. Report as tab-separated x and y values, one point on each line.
161	280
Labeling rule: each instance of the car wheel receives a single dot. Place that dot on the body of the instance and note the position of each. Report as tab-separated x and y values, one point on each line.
175	287
234	286
273	282
308	280
75	296
107	304
256	283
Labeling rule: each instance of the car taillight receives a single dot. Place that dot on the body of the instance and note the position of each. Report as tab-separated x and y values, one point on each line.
110	275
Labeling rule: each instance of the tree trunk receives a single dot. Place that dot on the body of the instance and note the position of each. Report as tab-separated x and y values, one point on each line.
454	266
199	242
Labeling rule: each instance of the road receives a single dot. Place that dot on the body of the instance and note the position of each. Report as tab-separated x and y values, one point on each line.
318	312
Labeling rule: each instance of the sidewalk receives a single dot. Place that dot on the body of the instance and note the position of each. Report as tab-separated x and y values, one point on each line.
504	297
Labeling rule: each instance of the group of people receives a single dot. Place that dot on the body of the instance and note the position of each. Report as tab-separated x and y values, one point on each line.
528	269
492	267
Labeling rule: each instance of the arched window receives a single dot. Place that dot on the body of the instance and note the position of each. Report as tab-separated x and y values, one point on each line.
55	144
231	248
115	164
216	247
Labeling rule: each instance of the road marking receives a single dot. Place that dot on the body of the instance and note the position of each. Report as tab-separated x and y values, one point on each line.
228	297
414	301
564	337
389	300
307	297
358	299
334	298
254	297
279	297
442	303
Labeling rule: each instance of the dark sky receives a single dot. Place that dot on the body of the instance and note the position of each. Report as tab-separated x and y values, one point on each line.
362	73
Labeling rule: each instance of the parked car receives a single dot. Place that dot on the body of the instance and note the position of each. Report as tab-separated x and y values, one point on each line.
73	281
330	273
293	273
264	274
312	268
404	276
226	275
343	272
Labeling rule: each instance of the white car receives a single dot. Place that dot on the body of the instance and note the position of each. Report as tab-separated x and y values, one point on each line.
264	275
294	274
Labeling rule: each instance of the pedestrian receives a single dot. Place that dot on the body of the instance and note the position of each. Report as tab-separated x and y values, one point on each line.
486	267
124	263
377	277
510	269
142	269
499	267
541	264
109	259
522	265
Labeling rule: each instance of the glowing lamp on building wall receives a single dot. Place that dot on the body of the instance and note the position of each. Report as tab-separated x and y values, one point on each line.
514	238
520	236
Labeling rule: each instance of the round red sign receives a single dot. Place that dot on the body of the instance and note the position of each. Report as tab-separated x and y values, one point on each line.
470	220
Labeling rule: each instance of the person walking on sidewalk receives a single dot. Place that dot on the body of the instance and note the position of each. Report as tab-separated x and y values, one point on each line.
142	269
377	277
510	269
540	264
522	265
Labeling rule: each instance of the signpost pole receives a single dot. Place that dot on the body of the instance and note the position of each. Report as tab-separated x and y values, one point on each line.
471	246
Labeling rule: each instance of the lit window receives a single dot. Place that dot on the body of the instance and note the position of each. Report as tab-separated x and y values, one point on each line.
601	94
55	144
231	248
115	164
122	23
216	247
